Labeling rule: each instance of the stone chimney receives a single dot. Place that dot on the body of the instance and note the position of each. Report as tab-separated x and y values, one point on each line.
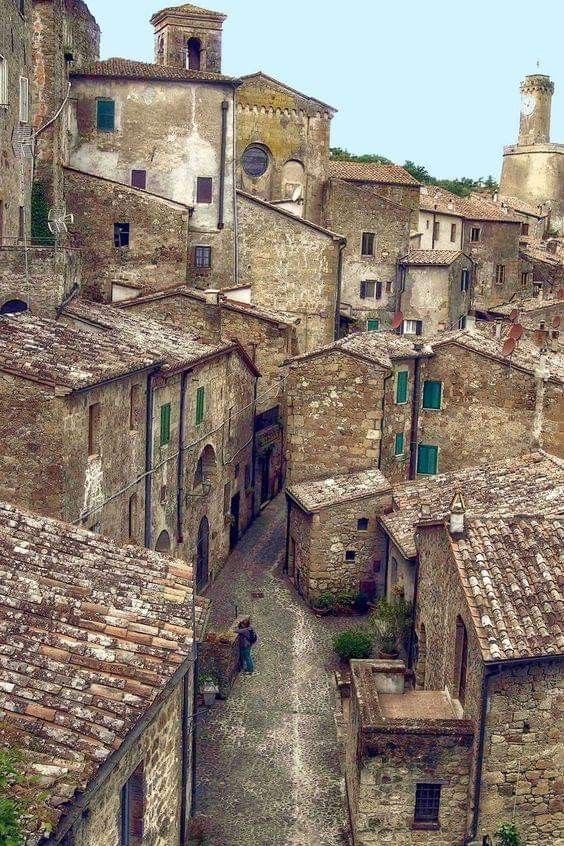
212	296
457	514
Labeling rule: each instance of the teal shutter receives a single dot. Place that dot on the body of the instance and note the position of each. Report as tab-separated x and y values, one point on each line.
105	115
427	459
200	405
165	424
373	324
399	444
432	392
401	386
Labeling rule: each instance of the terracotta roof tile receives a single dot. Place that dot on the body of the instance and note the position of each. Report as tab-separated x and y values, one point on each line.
471	208
320	493
371	172
530	304
431	257
74	682
382	348
117	68
190	9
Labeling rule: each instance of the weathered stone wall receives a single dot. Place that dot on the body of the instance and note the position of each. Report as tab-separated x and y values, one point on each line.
158	230
175	34
400	573
433	295
351	210
535	173
291	266
498	245
397	420
334	409
52	274
291	127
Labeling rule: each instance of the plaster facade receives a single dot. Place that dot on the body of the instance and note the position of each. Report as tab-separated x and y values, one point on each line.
436	294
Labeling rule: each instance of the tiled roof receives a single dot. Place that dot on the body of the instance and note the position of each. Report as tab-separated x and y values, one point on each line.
532	482
434	198
533	251
249	78
46	351
190	9
431	257
117	68
90	634
318	494
529	304
522	206
512	571
381	348
371	172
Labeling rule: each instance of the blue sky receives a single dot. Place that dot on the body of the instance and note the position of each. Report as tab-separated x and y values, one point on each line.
436	82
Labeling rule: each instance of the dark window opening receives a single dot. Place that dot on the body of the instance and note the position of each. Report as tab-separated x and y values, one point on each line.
255	161
267	418
132	809
21	224
499	274
13	307
427	803
204	189
453	232
370	290
436	230
461	661
524	229
462	321
193	54
465	279
139	179
362	524
475	234
368	243
350	555
202	257
121	235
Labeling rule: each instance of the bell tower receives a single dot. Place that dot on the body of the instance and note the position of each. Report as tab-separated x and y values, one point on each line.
188	37
536	105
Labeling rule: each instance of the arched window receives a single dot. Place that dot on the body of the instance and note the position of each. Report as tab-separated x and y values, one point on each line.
255	160
421	667
160	50
460	661
203	554
163	542
293	179
193	54
13	307
206	467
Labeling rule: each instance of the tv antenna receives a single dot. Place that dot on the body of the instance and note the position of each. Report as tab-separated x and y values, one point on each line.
58	220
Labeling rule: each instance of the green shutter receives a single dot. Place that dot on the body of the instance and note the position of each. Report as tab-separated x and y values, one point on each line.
399	444
401	386
432	392
373	324
427	459
200	405
165	424
105	115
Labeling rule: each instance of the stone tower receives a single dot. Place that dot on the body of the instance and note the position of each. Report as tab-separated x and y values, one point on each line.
536	105
188	37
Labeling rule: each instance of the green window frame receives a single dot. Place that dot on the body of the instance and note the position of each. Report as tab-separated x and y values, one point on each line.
372	324
427	459
165	424
402	379
432	394
200	404
399	444
106	115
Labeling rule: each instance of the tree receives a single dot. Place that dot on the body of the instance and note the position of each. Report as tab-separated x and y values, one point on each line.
341	155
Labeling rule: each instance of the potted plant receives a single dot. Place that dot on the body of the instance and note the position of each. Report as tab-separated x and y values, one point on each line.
390	620
344	602
209	688
354	643
324	603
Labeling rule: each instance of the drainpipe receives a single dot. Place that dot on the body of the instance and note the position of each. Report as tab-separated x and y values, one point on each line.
414	418
414	606
480	752
194	721
342	246
386	557
224	108
254	450
433	234
185	757
386	379
180	463
234	192
149	460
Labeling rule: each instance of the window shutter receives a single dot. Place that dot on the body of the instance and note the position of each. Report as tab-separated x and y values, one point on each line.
418	327
105	115
200	403
165	424
427	459
204	189
432	394
136	808
363	290
378	290
401	386
373	324
399	444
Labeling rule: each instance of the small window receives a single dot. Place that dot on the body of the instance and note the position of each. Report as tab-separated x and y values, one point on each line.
465	279
427	459
372	324
3	81
94	429
412	327
436	230
165	424
525	277
200	405
389	284
402	379
427	223
105	115
461	661
475	234
21	223
368	243
255	161
350	555
132	517
193	54
139	179
462	321
134	406
524	229
362	524
202	257
204	189
427	803
399	444
24	99
499	274
121	235
432	394
227	498
370	290
132	809
453	232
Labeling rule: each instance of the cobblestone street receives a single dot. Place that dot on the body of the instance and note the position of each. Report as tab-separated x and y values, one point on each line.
268	767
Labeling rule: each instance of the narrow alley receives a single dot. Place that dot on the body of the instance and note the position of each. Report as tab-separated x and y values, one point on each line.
268	766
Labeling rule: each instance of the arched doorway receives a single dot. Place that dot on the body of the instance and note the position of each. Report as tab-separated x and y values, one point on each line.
206	469
13	307
163	542
203	554
193	54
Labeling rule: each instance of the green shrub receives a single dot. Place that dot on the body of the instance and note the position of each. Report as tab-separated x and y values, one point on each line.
361	603
10	809
353	643
346	598
325	601
507	835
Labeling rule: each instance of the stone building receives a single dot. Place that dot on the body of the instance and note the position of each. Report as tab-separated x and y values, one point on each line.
282	145
97	683
390	181
541	318
435	290
188	37
533	169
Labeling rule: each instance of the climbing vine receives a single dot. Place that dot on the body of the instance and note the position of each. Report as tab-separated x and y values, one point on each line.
39	213
11	833
507	835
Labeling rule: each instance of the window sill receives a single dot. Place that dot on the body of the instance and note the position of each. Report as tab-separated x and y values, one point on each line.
425	826
425	408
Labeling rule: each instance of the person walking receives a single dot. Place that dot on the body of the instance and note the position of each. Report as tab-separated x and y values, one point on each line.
247	639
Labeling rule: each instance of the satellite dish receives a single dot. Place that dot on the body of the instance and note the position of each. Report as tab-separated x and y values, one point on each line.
508	347
514	315
297	193
556	322
397	320
516	331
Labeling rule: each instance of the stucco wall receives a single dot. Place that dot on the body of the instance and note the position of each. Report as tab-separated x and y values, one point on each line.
535	173
443	239
433	295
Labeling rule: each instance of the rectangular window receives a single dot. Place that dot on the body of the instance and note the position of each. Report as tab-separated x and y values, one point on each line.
524	229
525	277
227	498
21	224
350	555
24	99
368	243
132	809
436	230
165	424
200	405
362	524
370	290
139	179
204	189
475	234
94	429
105	115
202	257
453	232
427	803
402	379
499	274
373	324
465	279
399	444
134	406
121	235
412	327
427	459
432	394
3	81
132	517
462	321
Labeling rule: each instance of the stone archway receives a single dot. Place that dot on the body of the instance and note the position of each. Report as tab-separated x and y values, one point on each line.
163	542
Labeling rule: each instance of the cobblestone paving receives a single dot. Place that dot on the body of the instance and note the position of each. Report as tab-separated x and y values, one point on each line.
268	766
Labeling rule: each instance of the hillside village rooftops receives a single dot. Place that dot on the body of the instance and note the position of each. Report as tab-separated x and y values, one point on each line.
432	257
312	496
118	68
380	348
512	572
530	304
530	483
91	635
438	199
387	174
518	205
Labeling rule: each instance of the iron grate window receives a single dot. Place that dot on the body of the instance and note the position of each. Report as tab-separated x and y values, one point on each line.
427	803
202	256
367	248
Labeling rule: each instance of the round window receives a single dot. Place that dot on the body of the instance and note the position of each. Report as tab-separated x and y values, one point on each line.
255	161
